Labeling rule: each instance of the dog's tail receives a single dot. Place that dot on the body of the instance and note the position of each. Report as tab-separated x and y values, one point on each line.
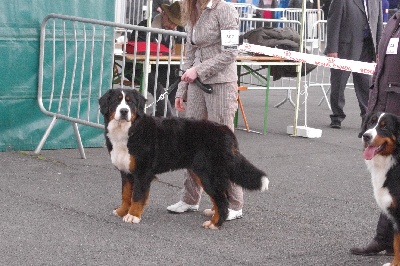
247	175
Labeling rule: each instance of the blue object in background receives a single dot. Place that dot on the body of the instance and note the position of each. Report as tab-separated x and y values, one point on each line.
393	4
385	10
283	3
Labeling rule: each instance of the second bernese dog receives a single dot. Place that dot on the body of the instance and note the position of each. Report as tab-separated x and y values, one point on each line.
142	146
381	138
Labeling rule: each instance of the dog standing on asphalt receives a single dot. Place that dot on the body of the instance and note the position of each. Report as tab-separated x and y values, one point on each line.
142	146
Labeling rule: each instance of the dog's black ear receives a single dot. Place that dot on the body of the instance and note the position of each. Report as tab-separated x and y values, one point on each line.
103	102
141	101
364	124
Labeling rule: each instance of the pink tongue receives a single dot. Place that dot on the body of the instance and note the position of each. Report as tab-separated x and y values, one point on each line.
369	152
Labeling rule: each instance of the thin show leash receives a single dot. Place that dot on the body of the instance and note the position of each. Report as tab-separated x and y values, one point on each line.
205	87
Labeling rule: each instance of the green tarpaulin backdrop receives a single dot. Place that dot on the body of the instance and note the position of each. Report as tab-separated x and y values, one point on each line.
22	124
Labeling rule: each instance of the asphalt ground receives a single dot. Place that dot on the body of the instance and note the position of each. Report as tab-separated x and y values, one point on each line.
56	208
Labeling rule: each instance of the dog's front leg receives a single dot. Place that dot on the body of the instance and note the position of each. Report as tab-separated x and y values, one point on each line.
127	188
140	197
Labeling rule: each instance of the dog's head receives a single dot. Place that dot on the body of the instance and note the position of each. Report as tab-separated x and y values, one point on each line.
380	134
123	105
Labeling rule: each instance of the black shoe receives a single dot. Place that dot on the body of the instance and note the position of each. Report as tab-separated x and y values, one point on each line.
336	124
373	248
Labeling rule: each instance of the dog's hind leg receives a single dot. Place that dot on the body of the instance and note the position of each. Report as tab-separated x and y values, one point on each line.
127	187
396	248
220	207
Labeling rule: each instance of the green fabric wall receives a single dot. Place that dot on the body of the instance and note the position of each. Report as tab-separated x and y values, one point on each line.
22	124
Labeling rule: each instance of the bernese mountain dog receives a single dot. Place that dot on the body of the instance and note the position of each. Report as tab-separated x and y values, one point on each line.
142	146
381	138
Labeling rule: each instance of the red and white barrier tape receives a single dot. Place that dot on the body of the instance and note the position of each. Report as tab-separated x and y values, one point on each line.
331	62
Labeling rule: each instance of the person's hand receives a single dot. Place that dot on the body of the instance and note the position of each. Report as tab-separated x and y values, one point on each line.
335	55
179	104
190	75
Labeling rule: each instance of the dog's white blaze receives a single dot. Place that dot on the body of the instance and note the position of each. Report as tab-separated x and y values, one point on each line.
122	104
372	131
378	167
118	136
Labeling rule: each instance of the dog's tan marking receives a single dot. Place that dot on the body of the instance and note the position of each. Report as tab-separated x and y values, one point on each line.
216	216
196	178
132	164
394	203
390	144
214	219
137	207
396	248
112	116
126	200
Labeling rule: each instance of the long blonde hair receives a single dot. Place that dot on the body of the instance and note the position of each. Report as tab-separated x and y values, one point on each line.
189	11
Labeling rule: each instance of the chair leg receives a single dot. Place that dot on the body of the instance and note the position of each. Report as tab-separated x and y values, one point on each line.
243	114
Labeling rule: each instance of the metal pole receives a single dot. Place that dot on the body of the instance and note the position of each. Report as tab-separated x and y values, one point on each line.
298	83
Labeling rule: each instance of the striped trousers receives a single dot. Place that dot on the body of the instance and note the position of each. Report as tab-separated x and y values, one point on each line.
220	106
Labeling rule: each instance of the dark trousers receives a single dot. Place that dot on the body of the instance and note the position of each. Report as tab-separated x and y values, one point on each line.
361	82
161	84
384	231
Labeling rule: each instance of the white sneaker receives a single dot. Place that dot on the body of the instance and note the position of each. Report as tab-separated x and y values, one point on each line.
232	214
181	207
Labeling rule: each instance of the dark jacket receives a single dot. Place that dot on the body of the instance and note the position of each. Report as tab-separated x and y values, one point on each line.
282	38
385	90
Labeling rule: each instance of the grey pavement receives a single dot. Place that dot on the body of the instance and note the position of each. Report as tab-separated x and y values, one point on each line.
56	209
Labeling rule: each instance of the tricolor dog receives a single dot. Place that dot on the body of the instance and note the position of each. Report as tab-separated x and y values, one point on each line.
381	138
143	146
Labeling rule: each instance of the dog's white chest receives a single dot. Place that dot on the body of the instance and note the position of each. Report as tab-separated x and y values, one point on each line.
379	166
118	136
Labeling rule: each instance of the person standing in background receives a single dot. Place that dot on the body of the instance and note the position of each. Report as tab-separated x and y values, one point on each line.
210	56
157	7
168	19
325	4
354	28
298	3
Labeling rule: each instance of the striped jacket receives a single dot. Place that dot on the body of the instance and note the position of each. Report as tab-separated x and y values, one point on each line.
204	49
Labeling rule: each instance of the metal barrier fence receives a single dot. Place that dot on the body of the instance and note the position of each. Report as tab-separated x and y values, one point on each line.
284	83
76	67
134	11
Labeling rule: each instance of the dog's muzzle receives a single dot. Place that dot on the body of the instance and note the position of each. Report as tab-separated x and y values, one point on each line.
367	138
124	114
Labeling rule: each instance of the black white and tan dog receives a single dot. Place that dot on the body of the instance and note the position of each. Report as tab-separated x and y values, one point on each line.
142	146
381	138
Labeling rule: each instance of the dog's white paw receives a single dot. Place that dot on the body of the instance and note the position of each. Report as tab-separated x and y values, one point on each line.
209	225
115	213
129	218
387	264
264	183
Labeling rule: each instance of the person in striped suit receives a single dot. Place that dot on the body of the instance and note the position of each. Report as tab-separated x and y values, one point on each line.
214	64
